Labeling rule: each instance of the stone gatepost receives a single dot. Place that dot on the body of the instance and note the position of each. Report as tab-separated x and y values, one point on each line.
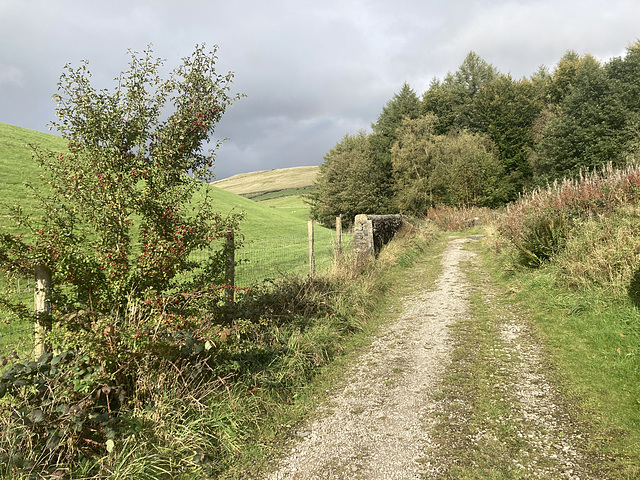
372	232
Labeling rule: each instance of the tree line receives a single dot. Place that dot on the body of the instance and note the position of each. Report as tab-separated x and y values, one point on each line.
479	137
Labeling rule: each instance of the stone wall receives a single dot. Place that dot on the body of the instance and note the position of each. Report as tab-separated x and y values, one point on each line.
372	232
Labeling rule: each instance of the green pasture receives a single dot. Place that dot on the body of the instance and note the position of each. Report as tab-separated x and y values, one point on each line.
292	204
277	194
19	168
274	236
17	336
273	233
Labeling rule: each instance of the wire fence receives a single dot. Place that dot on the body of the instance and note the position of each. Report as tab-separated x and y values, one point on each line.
278	256
255	261
16	336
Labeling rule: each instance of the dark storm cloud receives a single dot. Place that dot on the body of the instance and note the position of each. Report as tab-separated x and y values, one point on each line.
312	71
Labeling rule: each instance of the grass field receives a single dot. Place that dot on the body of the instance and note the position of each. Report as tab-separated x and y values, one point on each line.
289	192
292	204
274	232
18	167
275	236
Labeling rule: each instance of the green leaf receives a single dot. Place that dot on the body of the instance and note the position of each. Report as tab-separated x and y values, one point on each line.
53	442
37	416
110	444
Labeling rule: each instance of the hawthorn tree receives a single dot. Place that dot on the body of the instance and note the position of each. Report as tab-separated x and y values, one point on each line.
125	213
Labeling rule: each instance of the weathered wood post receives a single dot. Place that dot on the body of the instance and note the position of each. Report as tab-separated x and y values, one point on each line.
338	236
312	258
42	310
230	266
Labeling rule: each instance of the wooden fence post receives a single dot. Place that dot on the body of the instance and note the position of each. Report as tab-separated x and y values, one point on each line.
230	267
42	310
338	235
312	258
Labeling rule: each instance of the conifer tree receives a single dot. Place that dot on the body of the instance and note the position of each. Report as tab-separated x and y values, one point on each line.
404	104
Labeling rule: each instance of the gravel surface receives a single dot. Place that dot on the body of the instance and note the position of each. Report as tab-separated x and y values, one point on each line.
374	427
384	423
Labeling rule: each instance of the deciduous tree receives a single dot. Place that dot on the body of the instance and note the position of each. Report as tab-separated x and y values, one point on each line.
347	183
125	215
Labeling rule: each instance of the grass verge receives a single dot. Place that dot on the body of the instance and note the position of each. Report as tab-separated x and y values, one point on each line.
228	416
591	339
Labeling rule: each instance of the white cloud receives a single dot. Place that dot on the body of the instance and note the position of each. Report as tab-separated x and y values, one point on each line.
10	74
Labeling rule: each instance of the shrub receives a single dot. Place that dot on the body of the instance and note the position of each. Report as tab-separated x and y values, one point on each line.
538	224
542	236
118	233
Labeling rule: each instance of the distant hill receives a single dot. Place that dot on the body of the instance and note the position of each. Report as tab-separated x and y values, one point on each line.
266	184
17	166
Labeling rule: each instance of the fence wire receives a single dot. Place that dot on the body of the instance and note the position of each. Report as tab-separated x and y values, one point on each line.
256	261
16	336
279	256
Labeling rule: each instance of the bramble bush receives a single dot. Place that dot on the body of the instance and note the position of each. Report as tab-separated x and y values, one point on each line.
121	216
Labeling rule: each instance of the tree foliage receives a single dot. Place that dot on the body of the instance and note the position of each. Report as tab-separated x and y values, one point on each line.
460	168
451	100
348	183
125	215
414	162
505	110
596	125
404	104
479	125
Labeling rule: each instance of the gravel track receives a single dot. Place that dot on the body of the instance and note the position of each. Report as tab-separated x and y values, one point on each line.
380	424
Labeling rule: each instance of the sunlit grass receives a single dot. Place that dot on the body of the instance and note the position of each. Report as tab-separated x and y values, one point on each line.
584	302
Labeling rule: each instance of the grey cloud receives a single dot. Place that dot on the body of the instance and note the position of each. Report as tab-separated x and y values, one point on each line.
313	71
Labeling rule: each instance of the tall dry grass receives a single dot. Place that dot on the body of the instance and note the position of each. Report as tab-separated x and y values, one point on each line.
589	227
454	219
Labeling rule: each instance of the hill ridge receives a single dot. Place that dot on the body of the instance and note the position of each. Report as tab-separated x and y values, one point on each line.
277	179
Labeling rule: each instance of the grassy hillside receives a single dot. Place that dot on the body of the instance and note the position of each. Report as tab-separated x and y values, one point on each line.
269	183
292	204
282	188
18	167
280	224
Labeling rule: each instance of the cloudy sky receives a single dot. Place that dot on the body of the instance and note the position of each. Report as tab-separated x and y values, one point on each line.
312	70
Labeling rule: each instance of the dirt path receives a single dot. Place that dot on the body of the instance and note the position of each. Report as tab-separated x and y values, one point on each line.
403	415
